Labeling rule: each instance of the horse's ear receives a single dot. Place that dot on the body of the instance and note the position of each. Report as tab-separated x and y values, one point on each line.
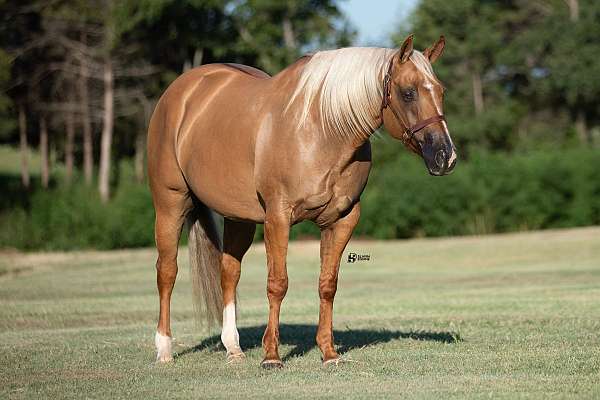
405	51
435	51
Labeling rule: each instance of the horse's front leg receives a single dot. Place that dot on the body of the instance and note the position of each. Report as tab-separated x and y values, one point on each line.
333	242
277	229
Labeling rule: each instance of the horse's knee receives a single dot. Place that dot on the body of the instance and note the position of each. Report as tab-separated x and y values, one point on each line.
327	287
277	288
327	292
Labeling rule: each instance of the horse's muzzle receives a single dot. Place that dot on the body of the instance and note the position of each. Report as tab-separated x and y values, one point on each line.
441	159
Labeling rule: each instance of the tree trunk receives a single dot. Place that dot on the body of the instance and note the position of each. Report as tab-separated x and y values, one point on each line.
581	128
140	149
24	147
289	38
107	131
477	92
140	142
573	9
196	60
86	121
69	144
45	167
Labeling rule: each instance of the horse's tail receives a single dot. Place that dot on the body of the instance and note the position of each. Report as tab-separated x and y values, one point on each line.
205	251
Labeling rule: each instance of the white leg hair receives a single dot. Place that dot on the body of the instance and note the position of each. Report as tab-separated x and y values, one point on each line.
163	348
229	335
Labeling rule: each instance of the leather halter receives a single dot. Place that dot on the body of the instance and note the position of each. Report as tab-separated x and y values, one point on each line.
409	131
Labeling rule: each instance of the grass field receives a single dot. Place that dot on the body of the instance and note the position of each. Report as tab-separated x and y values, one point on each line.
510	316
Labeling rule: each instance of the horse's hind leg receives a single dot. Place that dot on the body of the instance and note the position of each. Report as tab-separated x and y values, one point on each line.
237	237
171	207
333	242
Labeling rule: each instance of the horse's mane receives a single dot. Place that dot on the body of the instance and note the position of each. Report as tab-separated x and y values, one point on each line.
349	85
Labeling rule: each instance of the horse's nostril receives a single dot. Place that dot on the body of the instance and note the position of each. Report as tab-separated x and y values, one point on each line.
440	159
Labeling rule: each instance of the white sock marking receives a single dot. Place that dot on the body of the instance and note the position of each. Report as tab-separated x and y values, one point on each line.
163	348
229	335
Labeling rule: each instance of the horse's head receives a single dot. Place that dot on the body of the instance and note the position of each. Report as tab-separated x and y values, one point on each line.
412	106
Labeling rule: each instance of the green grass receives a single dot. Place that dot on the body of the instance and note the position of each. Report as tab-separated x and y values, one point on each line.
510	316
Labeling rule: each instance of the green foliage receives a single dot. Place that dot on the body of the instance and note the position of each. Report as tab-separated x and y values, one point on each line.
74	217
535	61
280	31
489	193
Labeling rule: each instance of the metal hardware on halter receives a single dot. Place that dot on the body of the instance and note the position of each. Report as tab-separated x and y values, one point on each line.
385	103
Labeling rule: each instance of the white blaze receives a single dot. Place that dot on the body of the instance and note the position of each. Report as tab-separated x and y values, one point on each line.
429	87
229	335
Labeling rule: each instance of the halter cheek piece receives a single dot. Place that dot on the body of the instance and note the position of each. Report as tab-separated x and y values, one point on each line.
409	131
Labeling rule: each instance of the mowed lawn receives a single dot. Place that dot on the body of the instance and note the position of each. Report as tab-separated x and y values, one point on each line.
508	316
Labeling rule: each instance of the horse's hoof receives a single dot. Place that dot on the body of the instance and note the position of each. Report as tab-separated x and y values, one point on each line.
235	358
271	364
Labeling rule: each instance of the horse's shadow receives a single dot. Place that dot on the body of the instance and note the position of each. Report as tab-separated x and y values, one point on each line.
302	338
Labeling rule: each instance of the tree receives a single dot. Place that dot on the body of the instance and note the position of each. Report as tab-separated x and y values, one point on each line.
18	33
74	30
7	124
570	63
108	118
277	32
509	68
93	51
24	147
478	108
72	67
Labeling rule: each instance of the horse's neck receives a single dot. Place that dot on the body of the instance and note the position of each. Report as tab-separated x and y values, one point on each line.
345	143
352	129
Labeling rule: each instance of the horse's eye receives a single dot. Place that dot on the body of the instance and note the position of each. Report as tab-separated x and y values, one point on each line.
409	95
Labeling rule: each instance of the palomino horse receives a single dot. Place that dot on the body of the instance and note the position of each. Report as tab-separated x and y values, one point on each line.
279	150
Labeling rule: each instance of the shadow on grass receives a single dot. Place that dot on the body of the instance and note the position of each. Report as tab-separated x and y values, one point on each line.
302	338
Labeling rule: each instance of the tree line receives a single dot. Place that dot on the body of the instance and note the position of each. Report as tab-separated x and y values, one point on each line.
74	72
519	73
79	78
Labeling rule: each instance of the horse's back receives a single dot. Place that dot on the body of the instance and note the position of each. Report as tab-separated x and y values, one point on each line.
201	79
255	72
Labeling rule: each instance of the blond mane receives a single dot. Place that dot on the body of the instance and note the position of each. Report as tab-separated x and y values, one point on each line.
349	86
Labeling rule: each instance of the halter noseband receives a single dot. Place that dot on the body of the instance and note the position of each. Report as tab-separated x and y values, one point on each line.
409	131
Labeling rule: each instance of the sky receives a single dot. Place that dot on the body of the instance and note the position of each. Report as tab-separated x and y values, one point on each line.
375	20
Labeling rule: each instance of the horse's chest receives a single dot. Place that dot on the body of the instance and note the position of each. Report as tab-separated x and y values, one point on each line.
343	189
